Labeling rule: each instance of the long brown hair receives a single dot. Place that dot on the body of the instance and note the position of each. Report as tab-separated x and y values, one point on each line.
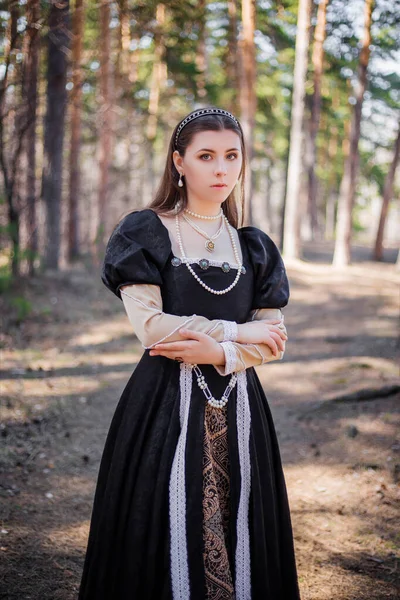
169	194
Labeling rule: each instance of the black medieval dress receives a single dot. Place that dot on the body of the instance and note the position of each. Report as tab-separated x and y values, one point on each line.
191	501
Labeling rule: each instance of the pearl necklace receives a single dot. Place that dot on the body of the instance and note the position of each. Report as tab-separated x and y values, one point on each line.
201	382
235	252
209	245
190	212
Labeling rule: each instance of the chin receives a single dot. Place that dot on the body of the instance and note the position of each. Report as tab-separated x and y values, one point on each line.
218	199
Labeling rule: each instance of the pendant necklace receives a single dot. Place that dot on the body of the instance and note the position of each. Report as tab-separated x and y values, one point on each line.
210	244
201	282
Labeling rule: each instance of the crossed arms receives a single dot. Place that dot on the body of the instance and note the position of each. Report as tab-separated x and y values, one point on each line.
143	304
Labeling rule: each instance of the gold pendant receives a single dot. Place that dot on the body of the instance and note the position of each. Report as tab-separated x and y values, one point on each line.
210	245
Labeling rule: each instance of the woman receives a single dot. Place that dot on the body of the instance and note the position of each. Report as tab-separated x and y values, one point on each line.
191	501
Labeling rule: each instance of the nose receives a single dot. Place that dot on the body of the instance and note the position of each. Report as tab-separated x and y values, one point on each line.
220	167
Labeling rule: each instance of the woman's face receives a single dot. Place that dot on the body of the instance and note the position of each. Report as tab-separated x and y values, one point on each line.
213	157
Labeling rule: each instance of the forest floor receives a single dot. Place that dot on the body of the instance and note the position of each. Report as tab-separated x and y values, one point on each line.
65	364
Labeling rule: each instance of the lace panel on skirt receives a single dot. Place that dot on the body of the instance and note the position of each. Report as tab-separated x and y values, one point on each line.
218	576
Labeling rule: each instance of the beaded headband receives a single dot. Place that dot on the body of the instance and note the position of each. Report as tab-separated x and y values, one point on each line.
200	113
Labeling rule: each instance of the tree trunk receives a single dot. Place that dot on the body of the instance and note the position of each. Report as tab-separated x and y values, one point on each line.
331	192
75	141
124	42
127	58
201	53
158	78
159	74
125	76
31	94
232	57
387	196
248	100
8	159
134	58
311	158
58	41
105	105
292	213
342	254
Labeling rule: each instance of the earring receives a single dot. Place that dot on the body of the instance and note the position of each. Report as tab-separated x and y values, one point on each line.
180	182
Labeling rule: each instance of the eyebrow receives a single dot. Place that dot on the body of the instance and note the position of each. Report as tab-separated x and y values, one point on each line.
209	150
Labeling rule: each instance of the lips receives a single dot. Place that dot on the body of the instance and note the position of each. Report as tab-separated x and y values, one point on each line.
219	185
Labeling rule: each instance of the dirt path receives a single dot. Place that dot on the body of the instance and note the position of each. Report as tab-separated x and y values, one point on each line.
65	366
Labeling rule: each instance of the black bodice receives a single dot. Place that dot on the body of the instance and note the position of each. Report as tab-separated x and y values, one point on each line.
139	251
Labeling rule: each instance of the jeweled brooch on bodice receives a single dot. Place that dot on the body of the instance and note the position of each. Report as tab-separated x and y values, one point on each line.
204	264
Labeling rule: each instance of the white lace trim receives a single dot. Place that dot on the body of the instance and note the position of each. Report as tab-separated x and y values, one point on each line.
177	495
242	555
230	357
230	331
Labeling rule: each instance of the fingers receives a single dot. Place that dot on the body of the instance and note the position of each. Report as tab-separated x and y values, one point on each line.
274	325
277	330
279	342
281	332
166	353
172	346
181	345
272	344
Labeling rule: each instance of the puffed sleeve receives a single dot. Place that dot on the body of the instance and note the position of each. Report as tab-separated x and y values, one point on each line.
271	282
137	251
136	254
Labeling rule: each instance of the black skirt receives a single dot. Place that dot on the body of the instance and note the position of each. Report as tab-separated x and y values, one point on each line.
129	553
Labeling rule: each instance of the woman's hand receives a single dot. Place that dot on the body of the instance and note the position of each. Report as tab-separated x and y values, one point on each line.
268	331
199	349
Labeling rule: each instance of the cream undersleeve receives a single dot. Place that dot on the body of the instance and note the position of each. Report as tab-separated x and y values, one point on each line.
143	305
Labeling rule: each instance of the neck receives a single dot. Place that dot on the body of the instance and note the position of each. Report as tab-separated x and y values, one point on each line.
207	209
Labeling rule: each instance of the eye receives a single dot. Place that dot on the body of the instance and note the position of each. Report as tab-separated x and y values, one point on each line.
234	154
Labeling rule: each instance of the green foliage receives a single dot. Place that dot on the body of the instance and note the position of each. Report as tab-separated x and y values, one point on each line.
99	234
5	278
275	55
22	306
375	173
357	225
